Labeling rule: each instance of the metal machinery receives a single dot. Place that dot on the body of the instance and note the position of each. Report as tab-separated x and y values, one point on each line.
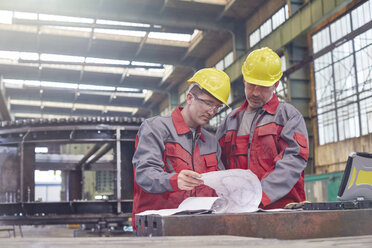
18	140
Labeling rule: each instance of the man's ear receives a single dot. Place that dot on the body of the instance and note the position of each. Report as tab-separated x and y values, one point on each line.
277	84
189	97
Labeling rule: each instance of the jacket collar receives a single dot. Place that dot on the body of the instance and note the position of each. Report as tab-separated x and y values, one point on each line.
180	125
269	107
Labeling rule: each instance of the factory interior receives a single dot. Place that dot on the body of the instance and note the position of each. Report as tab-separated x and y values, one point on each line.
79	77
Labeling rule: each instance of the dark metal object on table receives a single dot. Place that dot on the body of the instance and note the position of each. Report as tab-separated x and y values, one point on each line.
77	212
297	224
338	205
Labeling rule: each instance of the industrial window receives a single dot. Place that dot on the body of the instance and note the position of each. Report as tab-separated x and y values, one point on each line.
254	38
266	28
281	90
104	181
343	76
228	59
269	25
225	61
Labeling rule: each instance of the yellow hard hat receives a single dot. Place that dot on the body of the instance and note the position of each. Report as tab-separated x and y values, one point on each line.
215	81
262	67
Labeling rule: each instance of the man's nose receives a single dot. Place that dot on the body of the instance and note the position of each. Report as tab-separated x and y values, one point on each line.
211	111
256	90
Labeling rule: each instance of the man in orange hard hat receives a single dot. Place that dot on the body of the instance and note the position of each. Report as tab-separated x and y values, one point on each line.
172	151
266	136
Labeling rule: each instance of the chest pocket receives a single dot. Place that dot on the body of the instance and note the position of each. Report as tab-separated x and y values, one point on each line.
176	159
210	162
242	145
267	140
226	146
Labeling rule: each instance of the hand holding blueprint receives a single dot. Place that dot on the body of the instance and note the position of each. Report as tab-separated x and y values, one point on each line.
240	188
238	191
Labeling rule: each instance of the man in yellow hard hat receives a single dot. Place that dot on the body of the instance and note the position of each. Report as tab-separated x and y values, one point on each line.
266	136
172	151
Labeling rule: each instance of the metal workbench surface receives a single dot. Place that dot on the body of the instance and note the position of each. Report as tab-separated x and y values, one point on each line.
296	224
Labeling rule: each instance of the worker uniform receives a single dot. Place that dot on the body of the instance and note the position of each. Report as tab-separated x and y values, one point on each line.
276	150
164	147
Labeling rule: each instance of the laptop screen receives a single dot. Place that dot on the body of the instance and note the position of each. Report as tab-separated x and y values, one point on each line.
356	182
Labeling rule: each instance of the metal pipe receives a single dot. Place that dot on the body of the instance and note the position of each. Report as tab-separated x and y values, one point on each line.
98	155
91	151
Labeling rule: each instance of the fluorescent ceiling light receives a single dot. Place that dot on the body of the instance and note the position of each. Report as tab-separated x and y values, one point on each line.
25	15
32	83
69	105
129	89
96	87
46	84
83	88
58	18
38	116
29	56
6	17
13	57
9	55
86	30
139	63
61	58
106	61
130	24
216	2
120	32
170	36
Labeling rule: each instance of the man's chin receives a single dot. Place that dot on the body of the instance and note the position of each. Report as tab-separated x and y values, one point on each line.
203	121
254	105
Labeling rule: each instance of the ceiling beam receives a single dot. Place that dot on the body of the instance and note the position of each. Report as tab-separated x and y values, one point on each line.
25	61
125	11
209	2
227	8
68	104
152	28
135	81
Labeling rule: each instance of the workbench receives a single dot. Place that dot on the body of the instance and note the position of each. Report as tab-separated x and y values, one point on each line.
295	224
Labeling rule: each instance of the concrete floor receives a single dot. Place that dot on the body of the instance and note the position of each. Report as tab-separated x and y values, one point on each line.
61	236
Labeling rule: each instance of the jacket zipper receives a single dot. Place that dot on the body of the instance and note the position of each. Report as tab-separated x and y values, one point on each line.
253	125
194	138
234	143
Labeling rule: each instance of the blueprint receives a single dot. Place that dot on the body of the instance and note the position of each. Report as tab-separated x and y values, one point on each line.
238	191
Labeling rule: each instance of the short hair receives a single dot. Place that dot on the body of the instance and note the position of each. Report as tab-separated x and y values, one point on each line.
196	90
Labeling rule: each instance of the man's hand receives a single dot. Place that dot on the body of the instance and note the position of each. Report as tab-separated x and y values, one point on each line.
188	179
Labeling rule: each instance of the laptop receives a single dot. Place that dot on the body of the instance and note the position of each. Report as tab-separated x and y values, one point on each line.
356	185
